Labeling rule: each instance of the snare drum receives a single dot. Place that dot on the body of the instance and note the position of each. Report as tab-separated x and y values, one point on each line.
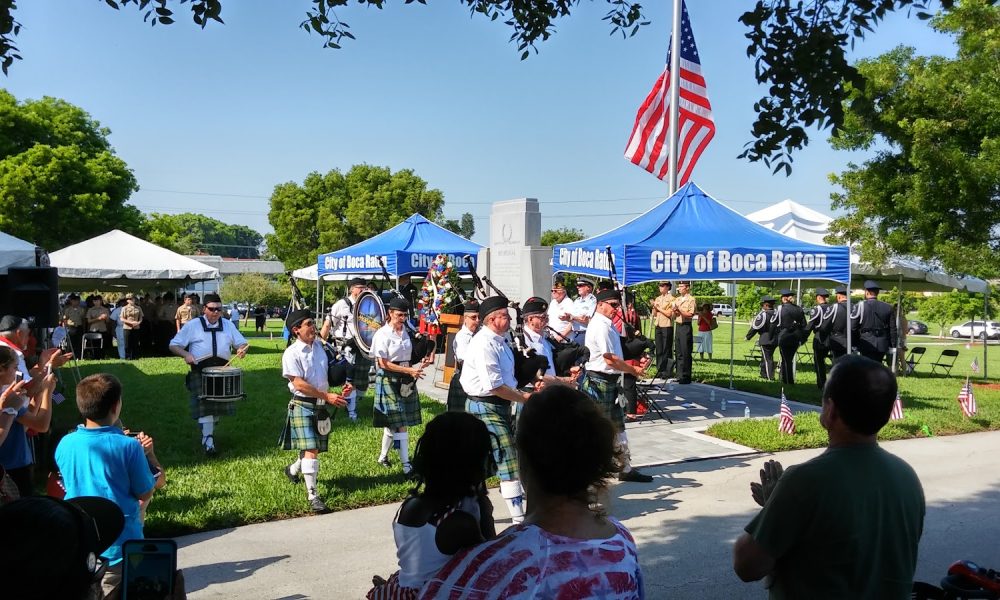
222	384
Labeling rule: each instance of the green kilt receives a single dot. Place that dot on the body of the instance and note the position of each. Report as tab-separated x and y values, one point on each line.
300	430
498	422
359	372
456	393
205	408
392	409
605	394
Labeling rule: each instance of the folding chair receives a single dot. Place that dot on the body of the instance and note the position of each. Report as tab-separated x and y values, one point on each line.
804	354
945	362
753	356
92	342
914	357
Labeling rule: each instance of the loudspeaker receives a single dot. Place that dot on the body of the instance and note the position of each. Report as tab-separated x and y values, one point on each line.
34	292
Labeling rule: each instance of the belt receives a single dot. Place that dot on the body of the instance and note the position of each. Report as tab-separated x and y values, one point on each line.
304	399
604	376
401	363
497	400
875	331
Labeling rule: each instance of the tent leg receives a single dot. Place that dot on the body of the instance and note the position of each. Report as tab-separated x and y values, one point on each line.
732	337
986	343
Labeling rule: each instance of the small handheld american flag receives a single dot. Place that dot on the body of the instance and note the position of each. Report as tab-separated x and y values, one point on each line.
967	400
975	365
786	422
897	409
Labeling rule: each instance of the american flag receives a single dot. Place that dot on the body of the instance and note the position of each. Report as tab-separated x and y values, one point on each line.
786	423
967	400
975	364
897	409
648	146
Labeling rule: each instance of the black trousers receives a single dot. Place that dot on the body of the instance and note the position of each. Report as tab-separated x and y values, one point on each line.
820	352
132	344
787	350
684	344
664	341
75	335
767	361
631	394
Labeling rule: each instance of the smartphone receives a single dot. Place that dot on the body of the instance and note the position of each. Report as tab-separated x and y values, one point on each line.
149	567
18	376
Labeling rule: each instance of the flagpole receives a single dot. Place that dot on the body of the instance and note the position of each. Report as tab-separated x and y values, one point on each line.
675	74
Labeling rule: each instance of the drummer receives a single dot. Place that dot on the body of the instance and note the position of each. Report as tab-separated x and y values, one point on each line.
397	405
207	342
340	324
470	325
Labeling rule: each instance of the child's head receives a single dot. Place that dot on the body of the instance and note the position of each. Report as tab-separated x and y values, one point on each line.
98	395
453	455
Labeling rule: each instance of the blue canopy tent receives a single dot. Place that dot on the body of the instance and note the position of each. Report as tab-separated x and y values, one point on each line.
691	235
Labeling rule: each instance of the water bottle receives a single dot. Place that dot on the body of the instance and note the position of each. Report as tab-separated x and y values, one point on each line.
711	396
746	412
723	405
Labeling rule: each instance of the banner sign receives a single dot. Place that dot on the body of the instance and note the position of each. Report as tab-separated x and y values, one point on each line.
398	263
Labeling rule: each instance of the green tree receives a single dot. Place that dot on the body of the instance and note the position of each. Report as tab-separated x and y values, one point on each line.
563	235
189	233
60	180
465	227
945	309
933	187
254	288
332	211
748	299
705	288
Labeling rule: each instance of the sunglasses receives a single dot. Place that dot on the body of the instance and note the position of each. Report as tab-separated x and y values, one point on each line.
614	304
213	308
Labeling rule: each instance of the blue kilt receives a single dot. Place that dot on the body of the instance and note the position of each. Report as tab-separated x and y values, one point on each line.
392	409
300	429
497	419
605	394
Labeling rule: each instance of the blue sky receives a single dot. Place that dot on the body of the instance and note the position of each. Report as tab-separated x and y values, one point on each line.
211	120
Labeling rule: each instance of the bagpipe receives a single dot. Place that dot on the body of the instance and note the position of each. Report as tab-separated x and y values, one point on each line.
634	344
423	345
565	352
337	355
529	367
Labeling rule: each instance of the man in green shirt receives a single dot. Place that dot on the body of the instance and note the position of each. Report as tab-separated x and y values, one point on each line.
845	524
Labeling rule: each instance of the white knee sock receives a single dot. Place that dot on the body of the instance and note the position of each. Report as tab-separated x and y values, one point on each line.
207	428
403	437
352	405
296	467
513	495
621	445
386	442
310	469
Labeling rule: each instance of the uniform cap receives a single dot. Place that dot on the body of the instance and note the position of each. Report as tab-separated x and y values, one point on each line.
357	281
822	291
471	306
608	296
582	281
768	299
871	285
840	289
786	292
398	303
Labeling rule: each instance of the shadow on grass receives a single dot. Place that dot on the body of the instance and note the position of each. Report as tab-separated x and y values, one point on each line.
199	577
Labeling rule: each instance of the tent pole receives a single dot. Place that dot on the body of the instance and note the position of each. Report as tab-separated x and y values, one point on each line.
986	316
732	337
899	324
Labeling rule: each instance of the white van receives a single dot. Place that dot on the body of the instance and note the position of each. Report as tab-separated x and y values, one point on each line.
722	310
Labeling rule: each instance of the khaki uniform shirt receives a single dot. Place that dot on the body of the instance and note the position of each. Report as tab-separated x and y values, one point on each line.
185	313
663	302
98	326
686	304
131	313
74	316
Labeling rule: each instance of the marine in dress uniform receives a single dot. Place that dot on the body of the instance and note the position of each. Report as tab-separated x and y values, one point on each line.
604	369
304	364
583	308
460	344
131	318
488	379
791	322
820	341
663	319
765	325
684	310
340	324
875	323
185	312
208	342
74	319
397	405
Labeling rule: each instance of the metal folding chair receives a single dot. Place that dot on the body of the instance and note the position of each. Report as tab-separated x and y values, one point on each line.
92	342
945	362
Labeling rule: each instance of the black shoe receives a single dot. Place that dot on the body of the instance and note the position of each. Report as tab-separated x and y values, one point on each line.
384	461
318	506
292	477
635	476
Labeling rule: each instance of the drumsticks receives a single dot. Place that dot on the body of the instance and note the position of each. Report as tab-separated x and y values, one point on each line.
235	356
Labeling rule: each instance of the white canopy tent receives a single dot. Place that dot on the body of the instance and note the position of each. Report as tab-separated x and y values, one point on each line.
15	252
118	259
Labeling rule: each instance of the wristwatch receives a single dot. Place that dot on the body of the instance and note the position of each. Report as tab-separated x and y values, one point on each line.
10	410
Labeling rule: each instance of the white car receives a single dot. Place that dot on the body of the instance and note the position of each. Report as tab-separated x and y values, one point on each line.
980	329
722	310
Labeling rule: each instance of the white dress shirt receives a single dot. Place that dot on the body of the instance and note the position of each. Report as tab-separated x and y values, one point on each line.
194	337
558	309
542	347
601	338
461	342
342	319
308	362
583	307
392	346
489	364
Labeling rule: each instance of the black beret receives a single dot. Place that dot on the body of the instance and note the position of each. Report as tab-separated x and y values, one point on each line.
398	303
822	291
604	284
10	323
871	285
534	306
357	281
608	296
492	304
296	317
767	299
787	292
840	289
212	298
471	306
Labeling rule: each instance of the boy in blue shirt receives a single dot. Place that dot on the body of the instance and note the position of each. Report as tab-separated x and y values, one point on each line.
98	459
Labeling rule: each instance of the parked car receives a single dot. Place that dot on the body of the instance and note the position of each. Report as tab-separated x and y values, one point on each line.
980	329
917	328
722	310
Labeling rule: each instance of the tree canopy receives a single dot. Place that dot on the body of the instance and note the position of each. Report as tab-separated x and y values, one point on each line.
465	227
190	233
60	180
933	186
254	288
332	211
563	235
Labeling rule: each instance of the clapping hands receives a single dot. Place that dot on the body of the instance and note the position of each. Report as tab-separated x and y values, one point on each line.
769	477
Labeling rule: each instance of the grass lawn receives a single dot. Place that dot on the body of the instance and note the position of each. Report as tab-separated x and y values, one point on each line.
929	401
245	483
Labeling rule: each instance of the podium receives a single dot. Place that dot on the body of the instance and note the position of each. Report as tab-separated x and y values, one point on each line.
450	324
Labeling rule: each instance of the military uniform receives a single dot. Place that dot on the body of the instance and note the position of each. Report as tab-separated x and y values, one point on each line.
834	327
74	318
583	306
131	312
664	336
97	325
875	323
820	341
184	313
765	325
790	322
684	336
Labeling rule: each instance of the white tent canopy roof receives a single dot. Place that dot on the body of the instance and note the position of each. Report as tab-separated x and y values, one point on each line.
116	258
808	225
15	252
309	273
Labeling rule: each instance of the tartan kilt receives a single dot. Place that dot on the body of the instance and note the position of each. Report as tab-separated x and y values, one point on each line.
299	432
456	393
390	409
205	408
497	419
605	394
359	372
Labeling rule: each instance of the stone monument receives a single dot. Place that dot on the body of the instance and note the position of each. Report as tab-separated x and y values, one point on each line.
516	262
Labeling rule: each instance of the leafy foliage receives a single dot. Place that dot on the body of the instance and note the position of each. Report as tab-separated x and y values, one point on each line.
332	211
189	233
254	288
933	188
465	227
60	180
563	235
946	309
